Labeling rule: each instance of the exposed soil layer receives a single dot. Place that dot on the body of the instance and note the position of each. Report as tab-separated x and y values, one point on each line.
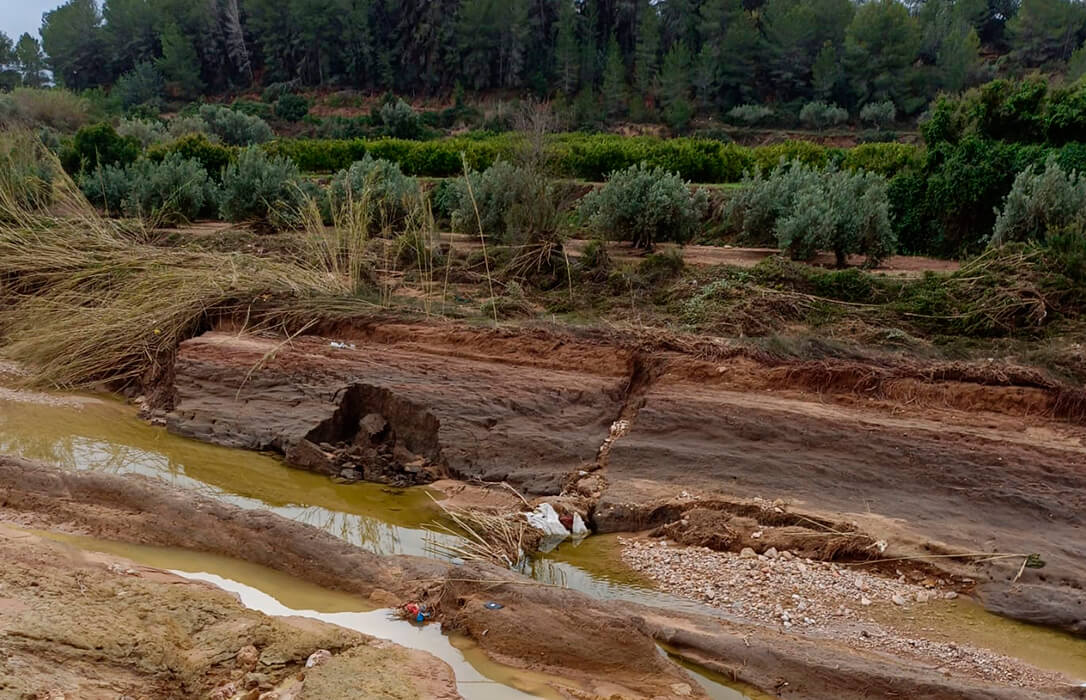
77	625
608	647
944	459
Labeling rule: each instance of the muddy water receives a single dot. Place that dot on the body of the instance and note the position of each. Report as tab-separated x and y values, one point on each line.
93	433
99	434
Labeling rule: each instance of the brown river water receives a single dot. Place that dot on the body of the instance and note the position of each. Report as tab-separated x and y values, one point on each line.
103	434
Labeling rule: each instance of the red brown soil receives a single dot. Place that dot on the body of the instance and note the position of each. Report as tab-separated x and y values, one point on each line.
608	647
947	458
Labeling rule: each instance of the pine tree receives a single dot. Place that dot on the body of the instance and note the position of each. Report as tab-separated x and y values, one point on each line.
567	53
675	87
30	61
827	74
179	64
614	80
9	73
646	56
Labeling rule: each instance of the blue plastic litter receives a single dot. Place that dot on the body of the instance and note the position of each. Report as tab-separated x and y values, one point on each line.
491	605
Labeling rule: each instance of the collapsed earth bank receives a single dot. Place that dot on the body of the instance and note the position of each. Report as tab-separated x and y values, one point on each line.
836	462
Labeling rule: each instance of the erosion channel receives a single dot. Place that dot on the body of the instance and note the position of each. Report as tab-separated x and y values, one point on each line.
729	558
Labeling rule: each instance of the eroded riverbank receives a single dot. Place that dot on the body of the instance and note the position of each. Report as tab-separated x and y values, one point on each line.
91	443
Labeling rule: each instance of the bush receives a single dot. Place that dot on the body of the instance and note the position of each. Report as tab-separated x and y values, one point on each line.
515	205
143	85
806	152
388	194
750	114
235	128
171	191
261	188
886	159
291	107
184	125
26	174
147	132
399	120
1041	201
878	114
96	145
819	115
645	205
212	157
55	108
274	91
808	210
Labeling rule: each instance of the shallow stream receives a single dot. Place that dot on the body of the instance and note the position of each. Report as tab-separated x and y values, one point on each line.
100	434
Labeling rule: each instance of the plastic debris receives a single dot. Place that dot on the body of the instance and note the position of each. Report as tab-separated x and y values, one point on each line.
491	605
341	346
579	528
545	518
456	561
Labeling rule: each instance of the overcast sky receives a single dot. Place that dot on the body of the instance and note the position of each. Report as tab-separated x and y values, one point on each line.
18	16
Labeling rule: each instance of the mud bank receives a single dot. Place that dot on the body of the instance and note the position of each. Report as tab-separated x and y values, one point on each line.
609	647
79	625
972	465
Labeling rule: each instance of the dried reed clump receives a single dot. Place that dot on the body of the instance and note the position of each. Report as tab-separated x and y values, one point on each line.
82	302
478	535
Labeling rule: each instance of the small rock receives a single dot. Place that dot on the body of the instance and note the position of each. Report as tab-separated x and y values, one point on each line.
923	596
771	553
317	658
247	657
897	599
747	553
681	689
865	601
951	595
756	535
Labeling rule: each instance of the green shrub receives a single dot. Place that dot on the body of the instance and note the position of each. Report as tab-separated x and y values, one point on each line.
213	157
819	115
235	128
886	159
1040	201
399	120
515	205
750	114
808	210
276	90
291	107
99	144
388	194
806	152
261	188
26	175
143	85
644	205
170	191
147	132
183	125
878	114
9	112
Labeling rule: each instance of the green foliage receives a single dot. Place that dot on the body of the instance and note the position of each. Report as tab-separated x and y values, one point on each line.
291	107
820	115
213	157
750	114
96	145
387	195
261	188
235	128
886	159
146	131
143	85
806	152
171	191
878	114
1042	201
809	210
644	205
399	120
274	91
179	63
509	204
